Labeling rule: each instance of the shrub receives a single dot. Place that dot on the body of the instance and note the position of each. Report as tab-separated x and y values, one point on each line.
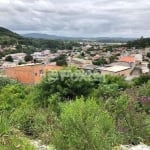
29	120
6	81
12	96
5	126
130	122
119	80
141	80
83	125
68	84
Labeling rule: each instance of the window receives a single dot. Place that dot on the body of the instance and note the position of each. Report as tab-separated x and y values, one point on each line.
41	72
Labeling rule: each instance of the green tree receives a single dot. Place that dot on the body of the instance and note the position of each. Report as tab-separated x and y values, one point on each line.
105	91
28	57
112	58
68	84
61	60
84	125
148	65
9	58
148	55
100	61
119	80
144	78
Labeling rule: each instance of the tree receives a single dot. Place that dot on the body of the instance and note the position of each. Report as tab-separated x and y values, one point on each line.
61	60
84	125
148	66
9	58
144	78
28	57
118	80
148	55
68	83
109	48
105	91
112	58
100	61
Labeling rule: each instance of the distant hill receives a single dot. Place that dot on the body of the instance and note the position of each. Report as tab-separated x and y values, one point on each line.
5	32
54	37
42	36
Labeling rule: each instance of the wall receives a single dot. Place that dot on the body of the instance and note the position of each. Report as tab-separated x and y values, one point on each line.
30	74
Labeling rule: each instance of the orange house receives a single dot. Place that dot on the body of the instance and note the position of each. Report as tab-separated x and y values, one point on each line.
127	59
30	74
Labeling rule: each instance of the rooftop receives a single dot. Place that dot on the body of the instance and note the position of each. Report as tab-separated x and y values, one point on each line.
115	68
129	59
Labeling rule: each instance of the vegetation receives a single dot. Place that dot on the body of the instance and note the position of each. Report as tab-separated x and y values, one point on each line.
85	125
73	110
9	39
139	43
100	61
60	60
28	58
6	32
9	58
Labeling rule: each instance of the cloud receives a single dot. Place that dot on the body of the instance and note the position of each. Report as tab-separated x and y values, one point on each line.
129	18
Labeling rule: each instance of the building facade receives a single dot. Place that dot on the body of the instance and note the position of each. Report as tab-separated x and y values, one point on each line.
30	74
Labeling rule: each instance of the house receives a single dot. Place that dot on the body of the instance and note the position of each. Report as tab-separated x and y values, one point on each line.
132	59
31	73
127	59
17	56
78	62
46	52
116	70
89	68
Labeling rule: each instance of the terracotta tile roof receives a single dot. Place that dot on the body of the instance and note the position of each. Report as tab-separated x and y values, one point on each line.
129	59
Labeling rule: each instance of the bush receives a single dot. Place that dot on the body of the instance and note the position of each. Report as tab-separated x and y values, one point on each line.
68	84
144	97
130	122
29	120
12	96
141	80
83	125
119	80
106	91
6	81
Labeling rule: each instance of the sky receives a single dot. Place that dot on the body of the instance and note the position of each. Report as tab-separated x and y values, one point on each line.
84	18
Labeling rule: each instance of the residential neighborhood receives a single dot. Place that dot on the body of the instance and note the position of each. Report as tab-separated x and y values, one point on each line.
89	56
74	75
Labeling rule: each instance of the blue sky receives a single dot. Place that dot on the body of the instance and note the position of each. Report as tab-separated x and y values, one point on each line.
91	18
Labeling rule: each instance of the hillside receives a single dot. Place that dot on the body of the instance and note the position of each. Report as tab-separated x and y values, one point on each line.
55	37
139	43
5	32
9	39
42	36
